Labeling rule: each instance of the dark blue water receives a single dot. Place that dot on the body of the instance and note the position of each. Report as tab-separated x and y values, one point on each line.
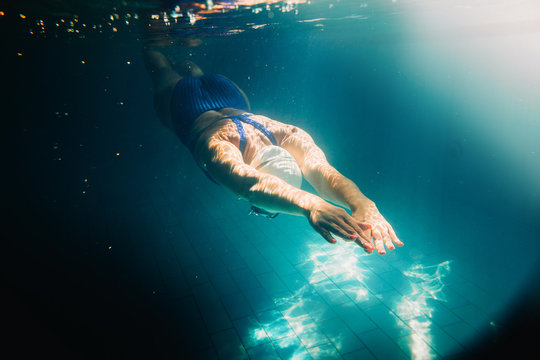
118	246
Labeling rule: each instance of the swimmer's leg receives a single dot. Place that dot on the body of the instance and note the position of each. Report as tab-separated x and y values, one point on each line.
160	70
164	78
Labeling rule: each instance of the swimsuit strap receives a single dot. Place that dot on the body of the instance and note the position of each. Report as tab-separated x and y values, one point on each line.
238	119
260	127
243	140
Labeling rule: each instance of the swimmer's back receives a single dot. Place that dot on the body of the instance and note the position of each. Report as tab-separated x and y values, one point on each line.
215	125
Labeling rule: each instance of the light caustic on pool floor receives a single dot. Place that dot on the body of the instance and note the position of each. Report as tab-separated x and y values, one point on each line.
338	278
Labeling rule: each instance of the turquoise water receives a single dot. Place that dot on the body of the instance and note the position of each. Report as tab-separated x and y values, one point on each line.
124	248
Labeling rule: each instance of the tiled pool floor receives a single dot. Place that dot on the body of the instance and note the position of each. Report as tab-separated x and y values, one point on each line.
262	289
239	286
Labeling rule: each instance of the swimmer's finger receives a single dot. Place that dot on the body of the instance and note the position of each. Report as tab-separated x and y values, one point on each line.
393	236
365	226
355	226
349	229
365	244
364	237
378	241
341	231
366	232
325	234
388	241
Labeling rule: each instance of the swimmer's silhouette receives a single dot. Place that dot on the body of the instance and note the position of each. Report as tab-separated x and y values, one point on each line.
260	159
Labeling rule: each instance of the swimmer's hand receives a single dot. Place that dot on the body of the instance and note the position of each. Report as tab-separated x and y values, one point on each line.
375	226
328	219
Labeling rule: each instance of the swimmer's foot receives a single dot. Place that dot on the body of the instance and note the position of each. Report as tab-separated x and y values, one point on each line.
188	42
156	61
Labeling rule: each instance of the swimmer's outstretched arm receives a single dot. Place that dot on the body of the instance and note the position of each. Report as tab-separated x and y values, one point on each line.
225	164
335	187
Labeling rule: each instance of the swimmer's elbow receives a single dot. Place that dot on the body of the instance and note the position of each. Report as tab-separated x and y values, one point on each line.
269	187
256	187
242	180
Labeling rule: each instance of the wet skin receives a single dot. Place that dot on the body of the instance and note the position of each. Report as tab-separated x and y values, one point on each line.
217	151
